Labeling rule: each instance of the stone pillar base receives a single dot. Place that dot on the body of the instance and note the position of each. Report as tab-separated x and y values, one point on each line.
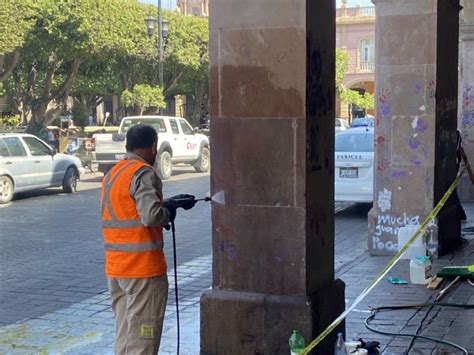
234	322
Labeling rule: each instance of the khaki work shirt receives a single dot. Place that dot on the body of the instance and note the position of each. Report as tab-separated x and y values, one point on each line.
146	189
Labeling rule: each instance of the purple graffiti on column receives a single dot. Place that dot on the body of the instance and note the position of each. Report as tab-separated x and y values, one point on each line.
384	99
416	161
413	143
418	87
421	125
399	174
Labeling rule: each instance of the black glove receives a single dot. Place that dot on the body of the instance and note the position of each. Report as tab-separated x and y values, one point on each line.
184	201
171	207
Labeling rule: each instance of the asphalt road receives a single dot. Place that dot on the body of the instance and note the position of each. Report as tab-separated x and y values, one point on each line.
51	248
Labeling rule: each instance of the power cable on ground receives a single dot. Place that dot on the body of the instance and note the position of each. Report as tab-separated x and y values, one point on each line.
375	310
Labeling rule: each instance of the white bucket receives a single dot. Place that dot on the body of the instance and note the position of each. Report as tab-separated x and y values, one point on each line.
418	247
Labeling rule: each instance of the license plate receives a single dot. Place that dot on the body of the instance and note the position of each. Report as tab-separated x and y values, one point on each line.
349	173
119	156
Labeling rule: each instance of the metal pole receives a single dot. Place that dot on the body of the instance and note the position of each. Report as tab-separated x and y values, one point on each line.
160	46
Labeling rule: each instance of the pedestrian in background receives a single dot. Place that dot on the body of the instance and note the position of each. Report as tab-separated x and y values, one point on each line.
91	119
133	216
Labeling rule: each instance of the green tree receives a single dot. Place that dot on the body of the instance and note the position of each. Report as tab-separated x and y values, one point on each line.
187	60
342	65
349	96
142	97
80	114
65	35
16	20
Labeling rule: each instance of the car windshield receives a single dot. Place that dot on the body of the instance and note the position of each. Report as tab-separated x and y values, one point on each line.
355	142
365	121
157	123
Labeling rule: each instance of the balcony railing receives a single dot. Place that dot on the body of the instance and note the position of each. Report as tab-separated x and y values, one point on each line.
355	14
366	11
367	66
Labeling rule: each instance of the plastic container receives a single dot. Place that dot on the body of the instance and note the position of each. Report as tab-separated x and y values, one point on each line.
340	347
417	248
296	343
351	347
420	270
361	352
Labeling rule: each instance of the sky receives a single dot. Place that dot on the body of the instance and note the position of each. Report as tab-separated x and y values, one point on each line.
171	4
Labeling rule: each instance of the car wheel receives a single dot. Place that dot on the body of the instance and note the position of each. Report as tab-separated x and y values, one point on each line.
6	189
70	180
204	161
165	167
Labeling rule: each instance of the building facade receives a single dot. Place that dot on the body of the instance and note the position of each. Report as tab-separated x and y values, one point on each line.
355	33
193	7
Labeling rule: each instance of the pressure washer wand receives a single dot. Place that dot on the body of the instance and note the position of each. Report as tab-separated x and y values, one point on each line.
173	232
179	201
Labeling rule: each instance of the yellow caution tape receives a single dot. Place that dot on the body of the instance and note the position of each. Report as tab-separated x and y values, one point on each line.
387	268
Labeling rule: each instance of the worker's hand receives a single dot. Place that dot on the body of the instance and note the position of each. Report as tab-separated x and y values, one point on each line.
184	201
188	204
171	207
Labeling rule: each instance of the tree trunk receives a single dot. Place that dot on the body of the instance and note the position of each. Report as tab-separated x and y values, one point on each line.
5	73
199	104
47	108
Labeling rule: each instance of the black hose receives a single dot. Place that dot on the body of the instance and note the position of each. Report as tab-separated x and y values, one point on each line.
173	232
446	342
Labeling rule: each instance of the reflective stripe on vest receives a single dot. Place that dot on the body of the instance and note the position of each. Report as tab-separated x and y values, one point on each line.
135	247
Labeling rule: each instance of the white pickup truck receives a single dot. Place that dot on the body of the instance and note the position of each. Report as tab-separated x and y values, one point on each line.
177	143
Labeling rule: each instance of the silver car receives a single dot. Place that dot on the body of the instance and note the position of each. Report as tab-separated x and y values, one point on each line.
28	163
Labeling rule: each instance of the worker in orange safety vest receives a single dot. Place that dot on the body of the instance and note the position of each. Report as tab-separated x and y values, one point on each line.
133	216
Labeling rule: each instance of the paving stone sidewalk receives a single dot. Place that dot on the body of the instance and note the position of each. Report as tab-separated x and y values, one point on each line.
87	327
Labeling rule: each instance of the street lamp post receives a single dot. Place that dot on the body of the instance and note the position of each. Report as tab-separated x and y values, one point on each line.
163	26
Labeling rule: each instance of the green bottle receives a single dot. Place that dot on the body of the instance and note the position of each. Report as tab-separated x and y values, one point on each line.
296	342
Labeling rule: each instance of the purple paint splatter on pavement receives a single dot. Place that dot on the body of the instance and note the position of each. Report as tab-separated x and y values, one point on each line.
421	125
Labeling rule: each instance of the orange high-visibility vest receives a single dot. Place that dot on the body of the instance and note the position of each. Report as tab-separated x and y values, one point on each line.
131	249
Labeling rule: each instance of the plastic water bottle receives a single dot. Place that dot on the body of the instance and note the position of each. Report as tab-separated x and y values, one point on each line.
296	342
340	347
432	244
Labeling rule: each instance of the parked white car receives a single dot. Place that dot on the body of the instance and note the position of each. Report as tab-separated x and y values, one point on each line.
28	163
341	124
177	143
354	165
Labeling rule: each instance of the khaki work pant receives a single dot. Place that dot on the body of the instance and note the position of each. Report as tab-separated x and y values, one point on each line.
139	307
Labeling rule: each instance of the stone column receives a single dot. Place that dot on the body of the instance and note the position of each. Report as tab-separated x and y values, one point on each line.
466	91
272	78
416	101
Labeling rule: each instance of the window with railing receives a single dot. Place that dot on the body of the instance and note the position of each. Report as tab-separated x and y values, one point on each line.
367	54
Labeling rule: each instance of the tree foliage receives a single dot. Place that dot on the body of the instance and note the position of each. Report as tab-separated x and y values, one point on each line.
342	66
89	49
143	96
365	101
67	36
349	96
16	20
